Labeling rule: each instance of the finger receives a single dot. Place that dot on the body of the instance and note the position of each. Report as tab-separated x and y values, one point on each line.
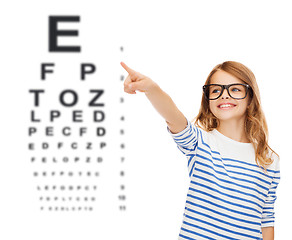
127	83
131	92
128	80
129	70
136	86
127	89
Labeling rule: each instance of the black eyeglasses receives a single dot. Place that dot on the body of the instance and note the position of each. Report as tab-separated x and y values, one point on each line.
235	90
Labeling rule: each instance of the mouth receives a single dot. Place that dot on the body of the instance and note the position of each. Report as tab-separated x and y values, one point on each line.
226	106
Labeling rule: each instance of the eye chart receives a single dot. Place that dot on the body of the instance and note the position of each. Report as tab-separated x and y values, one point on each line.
74	129
70	127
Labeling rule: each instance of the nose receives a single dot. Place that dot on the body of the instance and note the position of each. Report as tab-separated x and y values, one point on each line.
225	94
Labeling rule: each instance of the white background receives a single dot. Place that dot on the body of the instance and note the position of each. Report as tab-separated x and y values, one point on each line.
176	43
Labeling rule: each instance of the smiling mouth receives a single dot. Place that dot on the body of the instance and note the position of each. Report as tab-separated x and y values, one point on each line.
226	106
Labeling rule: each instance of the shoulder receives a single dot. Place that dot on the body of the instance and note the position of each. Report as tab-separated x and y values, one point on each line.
199	128
205	135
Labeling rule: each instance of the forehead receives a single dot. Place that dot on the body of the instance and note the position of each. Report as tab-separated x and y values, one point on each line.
224	78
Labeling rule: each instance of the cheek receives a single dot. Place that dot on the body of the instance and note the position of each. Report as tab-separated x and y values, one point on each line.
213	106
244	105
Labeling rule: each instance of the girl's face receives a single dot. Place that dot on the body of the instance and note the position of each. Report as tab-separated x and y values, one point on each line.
237	110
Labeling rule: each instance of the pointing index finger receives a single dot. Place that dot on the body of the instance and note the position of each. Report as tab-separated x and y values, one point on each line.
129	70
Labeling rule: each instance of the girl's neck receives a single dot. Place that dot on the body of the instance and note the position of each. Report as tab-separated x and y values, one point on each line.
233	129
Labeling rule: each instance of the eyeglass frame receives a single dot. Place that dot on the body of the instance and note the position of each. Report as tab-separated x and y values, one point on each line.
247	87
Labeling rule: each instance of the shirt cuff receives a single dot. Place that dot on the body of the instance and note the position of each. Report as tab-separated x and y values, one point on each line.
270	223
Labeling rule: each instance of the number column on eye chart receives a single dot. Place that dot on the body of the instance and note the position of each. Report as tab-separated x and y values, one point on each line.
122	187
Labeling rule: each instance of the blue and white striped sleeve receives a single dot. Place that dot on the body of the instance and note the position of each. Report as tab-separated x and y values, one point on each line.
187	141
268	214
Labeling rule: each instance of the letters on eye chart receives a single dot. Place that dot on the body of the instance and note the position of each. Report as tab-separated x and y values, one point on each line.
68	123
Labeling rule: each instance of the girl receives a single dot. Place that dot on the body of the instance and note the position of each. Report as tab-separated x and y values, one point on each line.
233	172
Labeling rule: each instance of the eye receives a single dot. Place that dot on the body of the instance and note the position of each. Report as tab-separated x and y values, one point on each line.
215	91
235	89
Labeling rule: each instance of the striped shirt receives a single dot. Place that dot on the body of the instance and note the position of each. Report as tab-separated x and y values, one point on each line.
229	196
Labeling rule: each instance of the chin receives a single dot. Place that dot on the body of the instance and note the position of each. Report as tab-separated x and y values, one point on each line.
228	117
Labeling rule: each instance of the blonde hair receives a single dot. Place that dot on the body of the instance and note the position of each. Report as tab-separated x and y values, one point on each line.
256	128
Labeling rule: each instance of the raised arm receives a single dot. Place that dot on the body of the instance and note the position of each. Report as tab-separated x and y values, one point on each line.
160	100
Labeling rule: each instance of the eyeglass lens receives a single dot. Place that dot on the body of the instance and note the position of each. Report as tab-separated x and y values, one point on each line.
235	91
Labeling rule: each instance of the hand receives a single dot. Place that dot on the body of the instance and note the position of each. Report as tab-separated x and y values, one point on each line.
136	81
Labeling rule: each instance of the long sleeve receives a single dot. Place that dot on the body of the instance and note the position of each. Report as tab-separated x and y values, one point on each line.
268	214
187	141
